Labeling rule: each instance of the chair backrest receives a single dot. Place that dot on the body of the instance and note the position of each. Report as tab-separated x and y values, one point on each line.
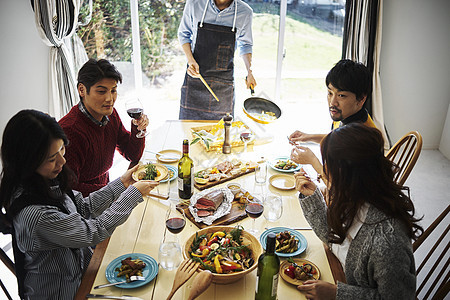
404	155
9	264
6	230
436	261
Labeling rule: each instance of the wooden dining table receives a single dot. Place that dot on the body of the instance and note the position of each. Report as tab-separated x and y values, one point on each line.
145	228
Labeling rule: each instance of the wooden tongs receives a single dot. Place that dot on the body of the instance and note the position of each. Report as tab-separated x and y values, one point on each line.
207	86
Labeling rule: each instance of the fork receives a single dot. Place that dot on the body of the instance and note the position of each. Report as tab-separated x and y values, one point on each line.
131	279
184	272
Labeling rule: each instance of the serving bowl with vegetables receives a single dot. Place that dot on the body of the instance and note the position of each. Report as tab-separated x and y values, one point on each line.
228	252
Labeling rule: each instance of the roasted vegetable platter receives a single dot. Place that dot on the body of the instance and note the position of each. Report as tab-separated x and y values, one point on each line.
222	252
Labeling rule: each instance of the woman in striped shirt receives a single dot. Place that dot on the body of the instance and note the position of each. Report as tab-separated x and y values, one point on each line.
55	227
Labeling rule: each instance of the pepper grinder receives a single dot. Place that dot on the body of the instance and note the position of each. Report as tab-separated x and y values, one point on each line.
226	149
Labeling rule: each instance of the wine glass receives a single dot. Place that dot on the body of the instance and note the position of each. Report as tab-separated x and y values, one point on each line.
254	209
170	249
135	111
246	137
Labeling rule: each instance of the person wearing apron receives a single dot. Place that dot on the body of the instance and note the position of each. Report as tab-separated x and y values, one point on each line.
214	27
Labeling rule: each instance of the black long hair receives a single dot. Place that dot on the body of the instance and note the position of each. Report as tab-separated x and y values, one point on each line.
26	141
354	161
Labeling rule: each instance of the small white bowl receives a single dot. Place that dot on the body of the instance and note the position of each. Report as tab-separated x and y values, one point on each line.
234	187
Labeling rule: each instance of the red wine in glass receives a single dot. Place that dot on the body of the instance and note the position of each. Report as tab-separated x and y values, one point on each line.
175	225
254	210
246	136
135	113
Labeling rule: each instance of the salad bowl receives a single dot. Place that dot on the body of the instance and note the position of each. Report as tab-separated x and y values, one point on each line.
247	239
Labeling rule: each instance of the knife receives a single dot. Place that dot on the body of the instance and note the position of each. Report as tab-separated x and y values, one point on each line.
124	297
132	278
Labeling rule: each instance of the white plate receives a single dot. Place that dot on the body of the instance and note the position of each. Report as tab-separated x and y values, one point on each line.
282	181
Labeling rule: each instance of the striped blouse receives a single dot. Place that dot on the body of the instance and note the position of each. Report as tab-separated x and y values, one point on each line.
57	245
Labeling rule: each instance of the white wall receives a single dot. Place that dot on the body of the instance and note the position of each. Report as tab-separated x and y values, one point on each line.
415	68
23	61
444	146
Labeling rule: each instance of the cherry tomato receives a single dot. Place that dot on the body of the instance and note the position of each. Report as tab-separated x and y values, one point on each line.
290	271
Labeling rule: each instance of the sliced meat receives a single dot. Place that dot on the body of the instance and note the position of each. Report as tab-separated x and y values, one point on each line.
203	207
224	167
204	213
212	199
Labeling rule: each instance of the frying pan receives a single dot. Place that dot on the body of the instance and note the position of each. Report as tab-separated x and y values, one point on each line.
257	105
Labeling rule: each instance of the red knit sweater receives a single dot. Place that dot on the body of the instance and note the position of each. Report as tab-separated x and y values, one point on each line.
91	147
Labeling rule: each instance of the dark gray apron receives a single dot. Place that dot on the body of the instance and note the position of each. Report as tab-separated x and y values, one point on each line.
214	53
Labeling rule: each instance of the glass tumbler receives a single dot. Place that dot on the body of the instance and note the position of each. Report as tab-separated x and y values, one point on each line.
261	171
273	207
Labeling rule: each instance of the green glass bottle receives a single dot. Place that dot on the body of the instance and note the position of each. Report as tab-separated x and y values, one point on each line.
267	275
185	174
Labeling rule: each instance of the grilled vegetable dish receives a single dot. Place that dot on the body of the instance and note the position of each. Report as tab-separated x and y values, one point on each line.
301	272
285	164
222	252
130	267
286	243
150	172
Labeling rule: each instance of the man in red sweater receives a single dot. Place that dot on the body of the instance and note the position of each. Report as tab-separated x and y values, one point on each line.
94	128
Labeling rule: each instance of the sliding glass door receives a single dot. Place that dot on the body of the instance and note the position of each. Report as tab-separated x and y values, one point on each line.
295	44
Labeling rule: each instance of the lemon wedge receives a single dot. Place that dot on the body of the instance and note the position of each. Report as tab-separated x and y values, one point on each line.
201	180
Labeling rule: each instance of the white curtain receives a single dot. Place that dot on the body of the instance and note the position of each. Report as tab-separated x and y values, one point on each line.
56	21
362	43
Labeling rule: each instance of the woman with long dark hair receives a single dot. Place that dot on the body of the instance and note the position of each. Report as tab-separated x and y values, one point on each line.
369	223
53	226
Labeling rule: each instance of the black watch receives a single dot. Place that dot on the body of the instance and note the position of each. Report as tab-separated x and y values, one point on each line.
301	196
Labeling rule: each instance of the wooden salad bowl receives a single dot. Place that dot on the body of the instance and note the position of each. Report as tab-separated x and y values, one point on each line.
247	239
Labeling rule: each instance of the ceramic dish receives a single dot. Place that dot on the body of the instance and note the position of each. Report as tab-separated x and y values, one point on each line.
302	243
173	173
282	181
149	272
300	262
168	156
274	161
163	172
247	239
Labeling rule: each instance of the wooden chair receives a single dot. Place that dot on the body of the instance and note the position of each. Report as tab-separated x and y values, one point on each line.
404	155
9	264
440	286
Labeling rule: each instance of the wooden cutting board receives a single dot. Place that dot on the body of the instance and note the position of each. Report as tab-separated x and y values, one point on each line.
207	185
237	213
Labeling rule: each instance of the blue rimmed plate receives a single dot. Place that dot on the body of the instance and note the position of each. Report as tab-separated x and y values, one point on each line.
272	163
302	243
173	173
149	272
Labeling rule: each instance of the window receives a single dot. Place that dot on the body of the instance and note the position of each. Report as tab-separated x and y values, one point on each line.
289	69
